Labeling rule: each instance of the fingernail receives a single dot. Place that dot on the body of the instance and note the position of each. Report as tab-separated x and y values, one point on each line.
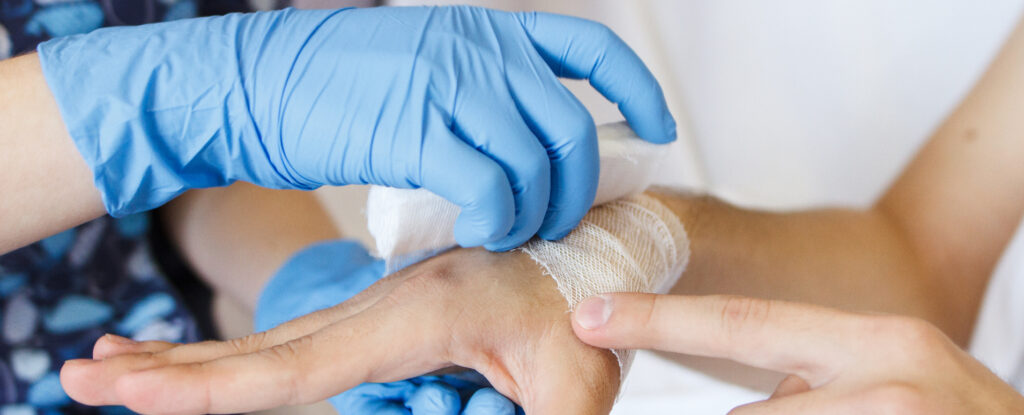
113	338
593	312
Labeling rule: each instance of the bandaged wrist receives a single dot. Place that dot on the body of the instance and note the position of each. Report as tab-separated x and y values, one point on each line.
633	244
628	242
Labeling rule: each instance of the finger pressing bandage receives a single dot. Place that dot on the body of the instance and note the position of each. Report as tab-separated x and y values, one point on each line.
632	244
628	242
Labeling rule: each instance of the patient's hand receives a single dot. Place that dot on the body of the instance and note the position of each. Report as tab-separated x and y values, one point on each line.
493	312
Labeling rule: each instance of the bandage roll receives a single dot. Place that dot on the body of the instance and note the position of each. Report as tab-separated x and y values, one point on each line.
409	225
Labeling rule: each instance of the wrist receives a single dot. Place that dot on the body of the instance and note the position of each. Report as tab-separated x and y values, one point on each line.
690	208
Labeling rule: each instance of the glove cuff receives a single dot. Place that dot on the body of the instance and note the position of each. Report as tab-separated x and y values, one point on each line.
158	109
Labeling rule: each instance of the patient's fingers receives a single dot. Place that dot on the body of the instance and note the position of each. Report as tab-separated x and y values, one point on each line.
93	383
111	345
285	332
818	401
307	369
799	339
791	385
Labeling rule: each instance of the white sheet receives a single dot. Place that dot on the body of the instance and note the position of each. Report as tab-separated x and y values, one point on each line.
998	339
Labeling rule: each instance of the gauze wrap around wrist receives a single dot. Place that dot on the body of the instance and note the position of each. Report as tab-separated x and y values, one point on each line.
632	244
628	242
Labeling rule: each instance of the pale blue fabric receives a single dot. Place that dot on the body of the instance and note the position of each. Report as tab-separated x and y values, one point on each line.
462	101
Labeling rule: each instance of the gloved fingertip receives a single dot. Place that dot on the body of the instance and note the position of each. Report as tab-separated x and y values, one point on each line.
501	246
657	130
488	401
509	242
670	126
555	229
472	238
472	232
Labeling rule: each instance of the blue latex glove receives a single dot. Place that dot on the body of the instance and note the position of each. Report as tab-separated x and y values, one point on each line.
425	395
462	101
329	273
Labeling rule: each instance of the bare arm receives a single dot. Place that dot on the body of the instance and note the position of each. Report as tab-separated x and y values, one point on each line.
45	186
926	249
237	237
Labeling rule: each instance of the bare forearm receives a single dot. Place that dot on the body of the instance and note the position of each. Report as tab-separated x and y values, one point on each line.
46	186
854	260
961	198
926	249
237	237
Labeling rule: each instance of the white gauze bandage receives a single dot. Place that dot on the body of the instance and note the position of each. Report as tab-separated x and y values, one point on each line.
628	242
632	244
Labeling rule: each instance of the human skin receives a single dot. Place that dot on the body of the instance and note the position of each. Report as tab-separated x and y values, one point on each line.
925	250
492	312
47	185
235	238
837	362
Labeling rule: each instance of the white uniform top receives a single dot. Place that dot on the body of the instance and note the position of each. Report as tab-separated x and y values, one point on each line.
999	335
795	103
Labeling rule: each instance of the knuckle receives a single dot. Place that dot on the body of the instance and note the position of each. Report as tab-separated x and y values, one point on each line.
897	398
602	33
738	316
290	364
528	166
649	319
910	335
432	281
537	164
580	127
582	139
147	360
489	179
289	352
740	312
652	325
247	344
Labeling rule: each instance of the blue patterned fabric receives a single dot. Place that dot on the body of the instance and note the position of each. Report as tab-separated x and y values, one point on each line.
59	295
25	23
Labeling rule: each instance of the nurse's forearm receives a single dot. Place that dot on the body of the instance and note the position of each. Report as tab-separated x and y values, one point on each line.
237	237
926	249
45	186
854	260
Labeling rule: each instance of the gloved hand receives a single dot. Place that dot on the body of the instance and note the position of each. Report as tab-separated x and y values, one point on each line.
329	273
462	101
425	395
